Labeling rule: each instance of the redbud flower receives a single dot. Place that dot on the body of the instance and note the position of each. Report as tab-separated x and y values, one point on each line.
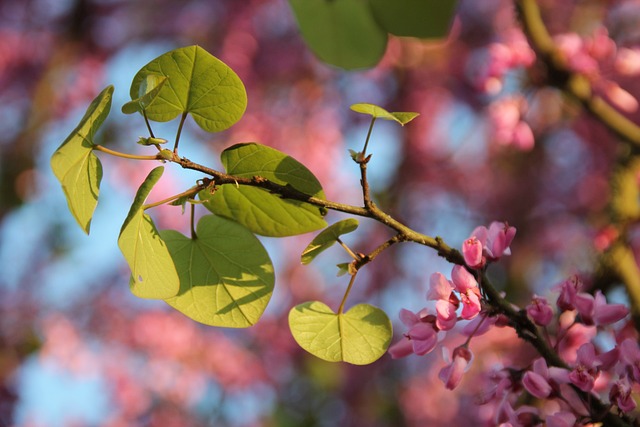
587	370
441	291
494	241
472	252
451	374
595	310
541	381
568	291
620	394
499	239
467	285
540	311
422	335
630	358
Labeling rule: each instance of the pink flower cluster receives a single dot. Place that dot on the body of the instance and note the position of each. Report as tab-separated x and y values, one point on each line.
487	67
560	395
596	57
506	123
607	374
427	328
456	299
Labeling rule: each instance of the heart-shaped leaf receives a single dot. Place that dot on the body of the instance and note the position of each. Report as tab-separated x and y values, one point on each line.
327	238
197	83
424	19
343	33
260	211
76	167
226	276
360	336
153	273
148	90
380	113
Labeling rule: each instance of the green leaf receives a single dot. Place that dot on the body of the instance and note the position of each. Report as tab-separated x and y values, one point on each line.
360	336
226	276
262	212
76	167
153	273
380	113
197	83
424	19
327	238
343	33
346	268
147	92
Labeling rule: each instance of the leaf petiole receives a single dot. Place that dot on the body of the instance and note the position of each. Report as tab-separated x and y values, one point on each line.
190	192
123	155
346	293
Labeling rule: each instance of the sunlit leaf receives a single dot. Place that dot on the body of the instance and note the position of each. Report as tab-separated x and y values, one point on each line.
360	336
226	276
153	273
343	33
380	113
197	83
147	92
76	167
262	212
424	19
327	238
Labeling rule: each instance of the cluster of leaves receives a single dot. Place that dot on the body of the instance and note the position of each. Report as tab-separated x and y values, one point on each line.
221	275
353	33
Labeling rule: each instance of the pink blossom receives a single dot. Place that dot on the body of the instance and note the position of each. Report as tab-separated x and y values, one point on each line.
451	374
619	97
540	311
542	380
630	358
499	239
472	253
441	291
568	291
507	126
575	336
620	395
628	61
495	242
422	335
586	371
466	284
595	310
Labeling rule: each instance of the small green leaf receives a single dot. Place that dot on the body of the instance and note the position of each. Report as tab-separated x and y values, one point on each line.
327	238
76	167
147	91
360	336
343	33
380	113
424	19
344	268
153	273
260	211
226	276
197	83
146	141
